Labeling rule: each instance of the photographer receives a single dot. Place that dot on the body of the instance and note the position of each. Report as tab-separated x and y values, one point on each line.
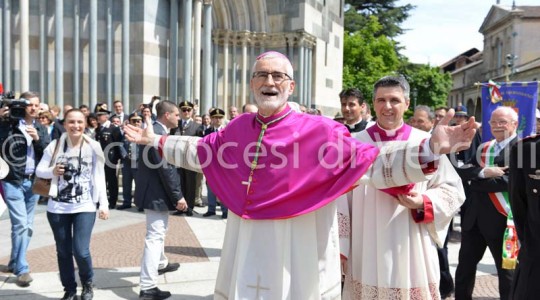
78	185
22	139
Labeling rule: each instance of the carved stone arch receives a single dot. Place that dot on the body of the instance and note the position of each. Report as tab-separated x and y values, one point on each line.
222	15
258	16
239	15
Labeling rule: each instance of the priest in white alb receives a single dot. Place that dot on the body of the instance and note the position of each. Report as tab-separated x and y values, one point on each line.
279	172
388	237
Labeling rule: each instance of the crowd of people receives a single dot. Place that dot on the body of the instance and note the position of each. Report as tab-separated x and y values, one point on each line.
377	208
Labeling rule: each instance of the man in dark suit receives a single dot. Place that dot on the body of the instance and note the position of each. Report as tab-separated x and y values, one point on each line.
129	163
484	222
158	191
524	185
119	111
110	137
353	109
186	126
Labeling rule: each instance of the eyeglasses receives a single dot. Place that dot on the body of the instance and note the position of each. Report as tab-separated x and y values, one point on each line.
186	109
498	123
278	77
136	121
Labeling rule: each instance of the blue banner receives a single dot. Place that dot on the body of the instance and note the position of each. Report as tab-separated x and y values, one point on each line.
521	96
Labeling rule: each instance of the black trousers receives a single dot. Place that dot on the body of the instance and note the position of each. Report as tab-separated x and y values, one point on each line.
446	284
473	245
188	180
112	185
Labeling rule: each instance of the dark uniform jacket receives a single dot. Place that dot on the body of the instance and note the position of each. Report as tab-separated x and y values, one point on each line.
157	184
14	147
107	136
524	184
190	129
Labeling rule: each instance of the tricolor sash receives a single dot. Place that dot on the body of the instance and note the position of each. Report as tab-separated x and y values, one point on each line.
501	202
500	199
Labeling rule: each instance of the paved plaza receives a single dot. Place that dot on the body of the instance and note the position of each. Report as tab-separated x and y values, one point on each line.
195	242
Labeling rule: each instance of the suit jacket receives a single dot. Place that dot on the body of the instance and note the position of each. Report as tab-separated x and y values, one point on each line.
123	116
13	139
58	129
157	184
481	210
190	129
524	185
210	130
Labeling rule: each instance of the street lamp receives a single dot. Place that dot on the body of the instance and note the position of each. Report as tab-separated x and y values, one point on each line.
510	58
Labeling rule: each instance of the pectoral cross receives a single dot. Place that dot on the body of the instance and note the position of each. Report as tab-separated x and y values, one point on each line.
258	287
248	183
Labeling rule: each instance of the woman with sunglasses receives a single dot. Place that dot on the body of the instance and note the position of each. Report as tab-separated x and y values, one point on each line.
75	165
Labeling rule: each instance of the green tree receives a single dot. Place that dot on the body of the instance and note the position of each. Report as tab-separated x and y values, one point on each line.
367	57
429	86
390	16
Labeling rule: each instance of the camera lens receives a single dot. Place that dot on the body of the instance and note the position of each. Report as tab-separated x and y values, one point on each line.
68	173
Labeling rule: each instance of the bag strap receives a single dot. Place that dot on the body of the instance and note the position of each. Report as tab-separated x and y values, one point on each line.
55	152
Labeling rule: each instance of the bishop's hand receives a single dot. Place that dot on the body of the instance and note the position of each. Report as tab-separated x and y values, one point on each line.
140	136
446	139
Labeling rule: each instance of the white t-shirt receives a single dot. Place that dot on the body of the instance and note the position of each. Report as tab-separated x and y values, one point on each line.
75	193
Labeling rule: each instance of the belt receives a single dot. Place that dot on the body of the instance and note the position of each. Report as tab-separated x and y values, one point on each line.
29	176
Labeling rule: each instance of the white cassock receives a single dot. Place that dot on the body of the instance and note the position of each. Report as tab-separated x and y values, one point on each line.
389	255
294	258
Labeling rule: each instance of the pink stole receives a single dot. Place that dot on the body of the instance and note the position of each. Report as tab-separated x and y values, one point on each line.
305	162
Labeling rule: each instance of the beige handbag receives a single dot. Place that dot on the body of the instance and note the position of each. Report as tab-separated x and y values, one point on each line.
41	186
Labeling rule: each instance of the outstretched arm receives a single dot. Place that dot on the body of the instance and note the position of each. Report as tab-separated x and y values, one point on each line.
180	151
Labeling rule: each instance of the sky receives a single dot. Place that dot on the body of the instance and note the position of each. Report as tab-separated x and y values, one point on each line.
439	30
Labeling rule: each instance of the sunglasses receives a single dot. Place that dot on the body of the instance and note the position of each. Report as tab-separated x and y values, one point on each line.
186	109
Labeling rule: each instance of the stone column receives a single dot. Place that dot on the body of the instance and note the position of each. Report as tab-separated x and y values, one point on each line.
59	53
7	46
187	49
309	76
76	54
197	15
25	79
214	89
92	52
234	70
225	71
206	100
109	55
125	53
173	49
245	71
300	68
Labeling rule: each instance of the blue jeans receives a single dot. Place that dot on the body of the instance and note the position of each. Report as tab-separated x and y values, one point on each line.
21	205
212	202
72	235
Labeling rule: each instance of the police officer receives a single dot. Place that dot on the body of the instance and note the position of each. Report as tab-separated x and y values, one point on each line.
129	163
110	137
186	126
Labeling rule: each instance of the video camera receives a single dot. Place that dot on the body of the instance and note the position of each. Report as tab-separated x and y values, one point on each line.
17	108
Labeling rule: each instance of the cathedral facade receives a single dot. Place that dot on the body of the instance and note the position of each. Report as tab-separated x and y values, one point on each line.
83	52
